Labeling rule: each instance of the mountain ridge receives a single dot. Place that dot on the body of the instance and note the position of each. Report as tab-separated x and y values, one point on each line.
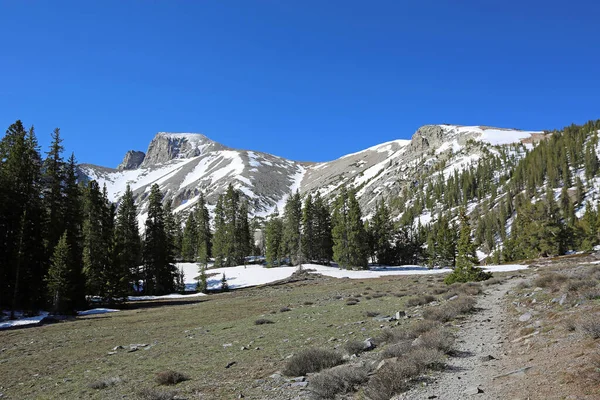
185	164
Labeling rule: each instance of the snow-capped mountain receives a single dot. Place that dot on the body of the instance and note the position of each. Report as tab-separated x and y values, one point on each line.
186	164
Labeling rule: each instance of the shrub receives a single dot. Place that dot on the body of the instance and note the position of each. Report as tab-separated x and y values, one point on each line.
550	280
352	299
397	349
338	380
378	295
285	309
170	377
371	314
467	274
438	339
493	281
153	394
391	379
354	347
263	321
440	290
103	384
590	324
419	300
417	328
308	303
423	358
450	310
312	360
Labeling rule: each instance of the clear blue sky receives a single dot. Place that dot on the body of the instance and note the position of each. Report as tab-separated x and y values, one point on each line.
307	80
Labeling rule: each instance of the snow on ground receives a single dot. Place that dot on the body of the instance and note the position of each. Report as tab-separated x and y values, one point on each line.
23	321
164	297
95	311
253	275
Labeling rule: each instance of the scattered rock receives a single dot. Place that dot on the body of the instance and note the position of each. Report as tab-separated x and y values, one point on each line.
471	390
400	314
243	348
297	379
453	298
131	350
299	384
562	300
230	364
520	371
118	348
525	317
368	344
487	358
275	376
228	345
110	353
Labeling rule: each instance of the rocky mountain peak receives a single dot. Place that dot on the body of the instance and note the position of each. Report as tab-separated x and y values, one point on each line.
169	146
132	160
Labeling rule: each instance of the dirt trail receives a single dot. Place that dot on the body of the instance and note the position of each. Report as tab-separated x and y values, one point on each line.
470	373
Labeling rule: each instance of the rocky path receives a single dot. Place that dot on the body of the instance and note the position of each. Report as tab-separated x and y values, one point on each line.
470	373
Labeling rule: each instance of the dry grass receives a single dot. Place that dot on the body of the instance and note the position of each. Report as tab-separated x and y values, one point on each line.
104	383
154	394
312	360
338	380
550	280
450	310
419	300
590	325
438	339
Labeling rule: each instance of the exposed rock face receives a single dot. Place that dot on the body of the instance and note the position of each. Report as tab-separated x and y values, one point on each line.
133	159
169	146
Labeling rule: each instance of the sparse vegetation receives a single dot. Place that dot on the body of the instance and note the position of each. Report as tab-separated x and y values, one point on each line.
155	394
170	377
338	380
263	321
420	300
590	325
104	383
312	360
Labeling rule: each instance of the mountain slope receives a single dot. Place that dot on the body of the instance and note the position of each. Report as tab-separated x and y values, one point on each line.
184	165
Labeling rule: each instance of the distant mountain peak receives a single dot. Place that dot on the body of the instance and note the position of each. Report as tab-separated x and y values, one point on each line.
167	146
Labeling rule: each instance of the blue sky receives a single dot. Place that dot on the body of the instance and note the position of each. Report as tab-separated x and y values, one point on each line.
306	80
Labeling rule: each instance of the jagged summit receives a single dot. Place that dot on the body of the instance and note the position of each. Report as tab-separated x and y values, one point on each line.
168	146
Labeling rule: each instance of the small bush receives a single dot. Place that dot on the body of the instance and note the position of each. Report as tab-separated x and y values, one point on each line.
391	379
419	300
398	349
417	328
590	325
308	303
574	285
450	310
424	358
354	347
493	281
467	274
153	394
550	280
400	294
378	295
438	339
103	384
440	290
353	299
312	360
371	314
263	321
285	309
338	380
591	294
351	303
170	377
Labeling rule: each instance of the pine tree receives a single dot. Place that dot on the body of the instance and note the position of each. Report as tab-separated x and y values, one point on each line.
349	236
96	255
224	284
274	241
309	242
382	232
202	285
23	259
59	277
219	240
465	270
127	245
189	245
292	223
73	222
244	240
204	237
159	270
54	192
322	231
